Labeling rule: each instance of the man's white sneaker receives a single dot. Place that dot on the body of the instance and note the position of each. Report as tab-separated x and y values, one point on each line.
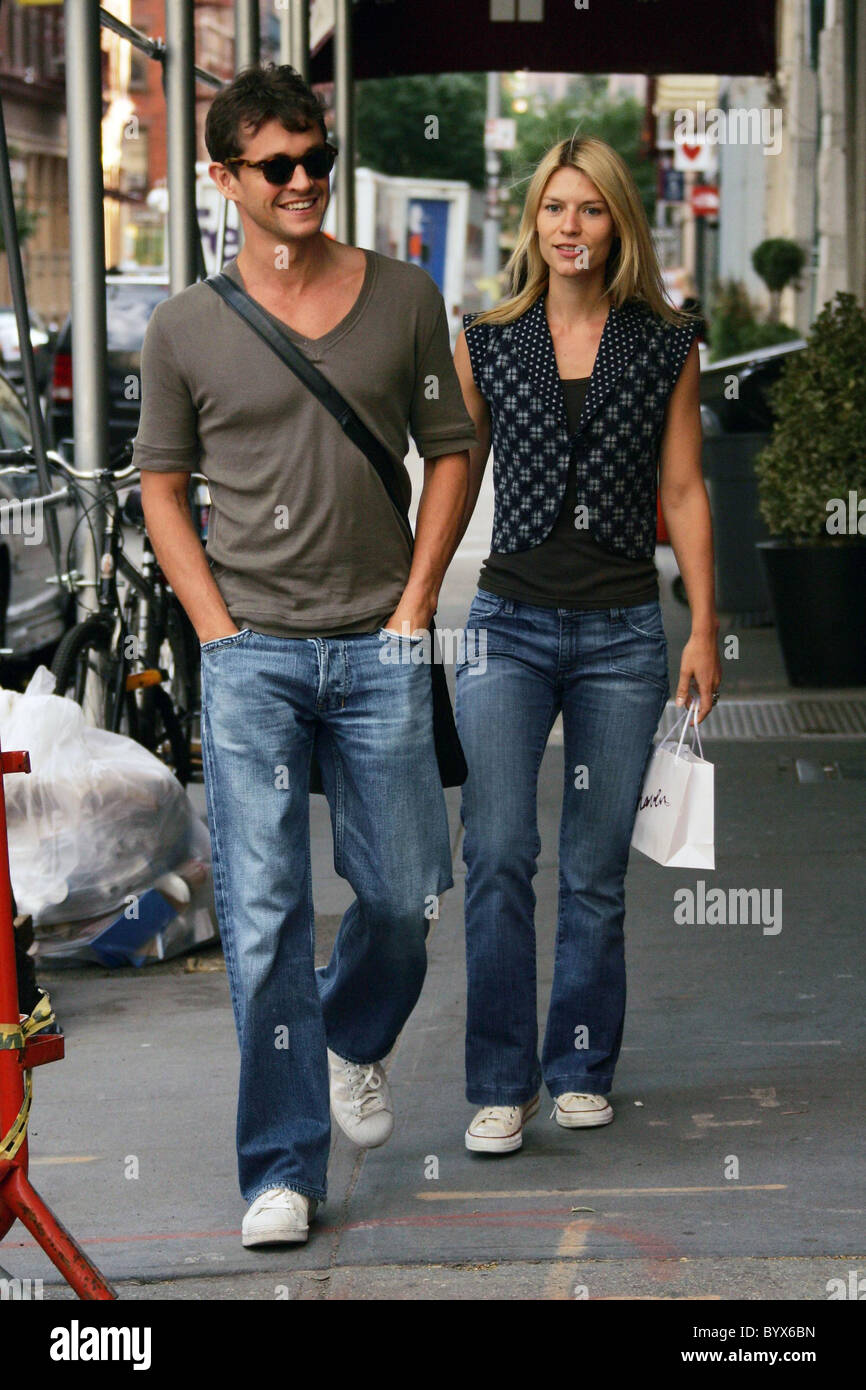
278	1217
361	1101
498	1129
574	1110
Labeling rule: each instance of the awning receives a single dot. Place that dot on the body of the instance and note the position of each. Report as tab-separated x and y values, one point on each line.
397	37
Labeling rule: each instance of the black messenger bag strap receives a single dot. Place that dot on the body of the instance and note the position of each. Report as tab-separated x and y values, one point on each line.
317	384
449	753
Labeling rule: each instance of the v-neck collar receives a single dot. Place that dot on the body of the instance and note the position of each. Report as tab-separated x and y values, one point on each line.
534	343
314	347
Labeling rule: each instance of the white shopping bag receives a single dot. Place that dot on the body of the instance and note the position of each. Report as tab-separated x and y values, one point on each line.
675	818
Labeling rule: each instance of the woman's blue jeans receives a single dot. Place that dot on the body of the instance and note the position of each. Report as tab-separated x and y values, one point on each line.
606	671
366	706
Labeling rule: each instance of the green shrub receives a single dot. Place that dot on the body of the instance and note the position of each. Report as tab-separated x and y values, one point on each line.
818	447
734	327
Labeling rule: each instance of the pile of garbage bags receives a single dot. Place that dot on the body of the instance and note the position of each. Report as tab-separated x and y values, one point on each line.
106	850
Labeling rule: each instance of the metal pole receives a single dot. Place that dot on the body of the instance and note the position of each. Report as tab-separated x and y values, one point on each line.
183	262
246	34
284	15
87	254
300	58
493	211
344	103
153	48
222	224
19	300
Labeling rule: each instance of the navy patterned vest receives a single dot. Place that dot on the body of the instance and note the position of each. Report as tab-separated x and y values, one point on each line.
616	444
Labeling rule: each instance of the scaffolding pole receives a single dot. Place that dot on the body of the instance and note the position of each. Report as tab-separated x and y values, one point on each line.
86	255
183	236
152	48
295	35
492	205
246	34
344	106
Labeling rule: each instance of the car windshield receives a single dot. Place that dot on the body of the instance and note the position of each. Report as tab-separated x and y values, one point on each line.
129	308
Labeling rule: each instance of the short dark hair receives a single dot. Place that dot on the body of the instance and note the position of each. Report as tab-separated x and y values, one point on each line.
257	95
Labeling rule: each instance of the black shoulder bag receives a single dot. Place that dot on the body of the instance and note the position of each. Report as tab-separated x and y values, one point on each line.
449	754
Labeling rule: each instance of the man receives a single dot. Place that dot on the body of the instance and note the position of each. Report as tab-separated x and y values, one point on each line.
308	577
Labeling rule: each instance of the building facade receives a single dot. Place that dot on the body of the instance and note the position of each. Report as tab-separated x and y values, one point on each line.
812	189
32	87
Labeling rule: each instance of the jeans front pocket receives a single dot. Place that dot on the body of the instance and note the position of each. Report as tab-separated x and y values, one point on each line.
486	605
638	645
233	640
401	636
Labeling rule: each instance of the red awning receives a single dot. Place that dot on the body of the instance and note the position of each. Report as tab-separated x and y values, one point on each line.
396	37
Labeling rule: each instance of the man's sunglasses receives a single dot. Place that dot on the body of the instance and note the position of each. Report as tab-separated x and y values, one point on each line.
317	163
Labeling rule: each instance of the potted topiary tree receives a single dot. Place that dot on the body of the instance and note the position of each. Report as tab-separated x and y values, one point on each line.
778	262
812	495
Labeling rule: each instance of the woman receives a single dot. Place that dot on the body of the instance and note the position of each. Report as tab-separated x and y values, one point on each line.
587	381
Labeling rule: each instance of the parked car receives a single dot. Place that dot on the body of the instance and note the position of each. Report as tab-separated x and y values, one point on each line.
130	301
33	612
749	411
42	339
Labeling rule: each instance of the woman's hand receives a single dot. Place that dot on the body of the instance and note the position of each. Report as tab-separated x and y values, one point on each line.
700	666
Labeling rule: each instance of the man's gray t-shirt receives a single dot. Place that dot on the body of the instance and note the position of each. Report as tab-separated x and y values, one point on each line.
302	538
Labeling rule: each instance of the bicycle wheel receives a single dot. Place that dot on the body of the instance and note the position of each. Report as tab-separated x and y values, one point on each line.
90	671
170	743
177	657
163	709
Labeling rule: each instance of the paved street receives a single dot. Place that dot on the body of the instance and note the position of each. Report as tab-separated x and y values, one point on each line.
733	1168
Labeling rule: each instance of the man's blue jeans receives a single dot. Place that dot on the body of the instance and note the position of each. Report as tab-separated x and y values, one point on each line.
266	702
607	672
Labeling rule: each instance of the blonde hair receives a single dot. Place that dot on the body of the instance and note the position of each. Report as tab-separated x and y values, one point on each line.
632	270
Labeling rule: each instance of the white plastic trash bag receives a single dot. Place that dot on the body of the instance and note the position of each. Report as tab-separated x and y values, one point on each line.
675	818
97	819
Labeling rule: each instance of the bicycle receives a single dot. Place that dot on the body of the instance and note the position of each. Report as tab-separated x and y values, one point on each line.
132	664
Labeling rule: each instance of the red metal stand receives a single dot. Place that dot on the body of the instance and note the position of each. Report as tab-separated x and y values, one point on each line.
18	1053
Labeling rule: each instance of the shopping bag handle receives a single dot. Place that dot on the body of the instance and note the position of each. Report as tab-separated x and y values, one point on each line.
685	719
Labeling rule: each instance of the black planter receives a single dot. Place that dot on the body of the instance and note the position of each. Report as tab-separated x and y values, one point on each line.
729	468
818	595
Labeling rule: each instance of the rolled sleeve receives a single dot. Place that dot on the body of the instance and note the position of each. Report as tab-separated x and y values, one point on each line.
439	421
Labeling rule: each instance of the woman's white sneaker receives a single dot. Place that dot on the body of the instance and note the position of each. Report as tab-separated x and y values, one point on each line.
361	1101
279	1216
575	1110
498	1129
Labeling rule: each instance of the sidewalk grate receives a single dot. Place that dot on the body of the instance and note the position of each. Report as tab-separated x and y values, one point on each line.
784	717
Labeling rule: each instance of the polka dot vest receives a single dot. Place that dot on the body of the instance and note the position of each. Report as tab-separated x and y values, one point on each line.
616	444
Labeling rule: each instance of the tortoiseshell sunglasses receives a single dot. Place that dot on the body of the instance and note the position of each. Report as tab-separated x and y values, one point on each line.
317	163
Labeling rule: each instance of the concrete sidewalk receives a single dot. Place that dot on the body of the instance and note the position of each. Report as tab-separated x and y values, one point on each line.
732	1169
